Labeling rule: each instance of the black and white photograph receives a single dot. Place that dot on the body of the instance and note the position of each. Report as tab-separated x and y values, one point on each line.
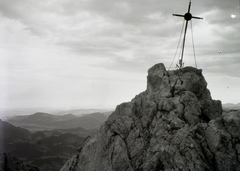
119	85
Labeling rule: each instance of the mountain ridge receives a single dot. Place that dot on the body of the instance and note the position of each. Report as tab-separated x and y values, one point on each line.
231	106
44	121
47	150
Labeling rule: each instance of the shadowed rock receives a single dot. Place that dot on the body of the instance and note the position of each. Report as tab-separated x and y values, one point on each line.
10	163
173	125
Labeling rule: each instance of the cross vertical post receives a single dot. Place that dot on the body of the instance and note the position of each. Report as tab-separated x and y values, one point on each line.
188	16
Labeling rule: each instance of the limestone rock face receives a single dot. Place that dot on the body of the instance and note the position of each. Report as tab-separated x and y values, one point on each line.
173	125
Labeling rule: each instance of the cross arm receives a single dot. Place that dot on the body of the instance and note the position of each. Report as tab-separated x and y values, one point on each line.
197	17
178	15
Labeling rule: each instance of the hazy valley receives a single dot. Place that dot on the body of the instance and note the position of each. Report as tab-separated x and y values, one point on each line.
46	140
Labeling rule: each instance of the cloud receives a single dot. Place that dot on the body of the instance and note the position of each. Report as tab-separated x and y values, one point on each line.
49	46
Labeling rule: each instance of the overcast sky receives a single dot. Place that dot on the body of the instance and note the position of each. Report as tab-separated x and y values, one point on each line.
96	53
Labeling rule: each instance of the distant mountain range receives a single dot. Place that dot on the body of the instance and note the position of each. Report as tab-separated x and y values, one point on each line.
44	121
48	150
9	113
80	112
231	106
46	140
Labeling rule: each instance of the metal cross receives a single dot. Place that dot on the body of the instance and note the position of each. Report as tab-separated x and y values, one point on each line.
188	16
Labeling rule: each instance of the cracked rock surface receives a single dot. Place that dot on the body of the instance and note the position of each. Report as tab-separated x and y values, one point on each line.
173	125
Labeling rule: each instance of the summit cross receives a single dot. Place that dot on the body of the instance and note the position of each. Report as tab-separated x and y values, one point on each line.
188	16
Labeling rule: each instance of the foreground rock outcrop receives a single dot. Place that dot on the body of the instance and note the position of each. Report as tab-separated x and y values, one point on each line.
10	163
173	125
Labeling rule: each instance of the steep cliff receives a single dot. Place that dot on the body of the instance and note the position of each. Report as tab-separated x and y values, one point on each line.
173	125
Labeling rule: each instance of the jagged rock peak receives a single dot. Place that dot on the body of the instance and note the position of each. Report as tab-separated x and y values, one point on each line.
173	125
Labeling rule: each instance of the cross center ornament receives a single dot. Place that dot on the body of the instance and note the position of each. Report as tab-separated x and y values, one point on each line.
188	16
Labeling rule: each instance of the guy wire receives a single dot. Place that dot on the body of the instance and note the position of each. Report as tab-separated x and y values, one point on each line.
177	45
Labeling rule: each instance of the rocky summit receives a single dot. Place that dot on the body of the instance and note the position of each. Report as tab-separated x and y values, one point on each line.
173	125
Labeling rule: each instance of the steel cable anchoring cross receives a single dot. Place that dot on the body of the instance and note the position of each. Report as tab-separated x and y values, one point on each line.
188	16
